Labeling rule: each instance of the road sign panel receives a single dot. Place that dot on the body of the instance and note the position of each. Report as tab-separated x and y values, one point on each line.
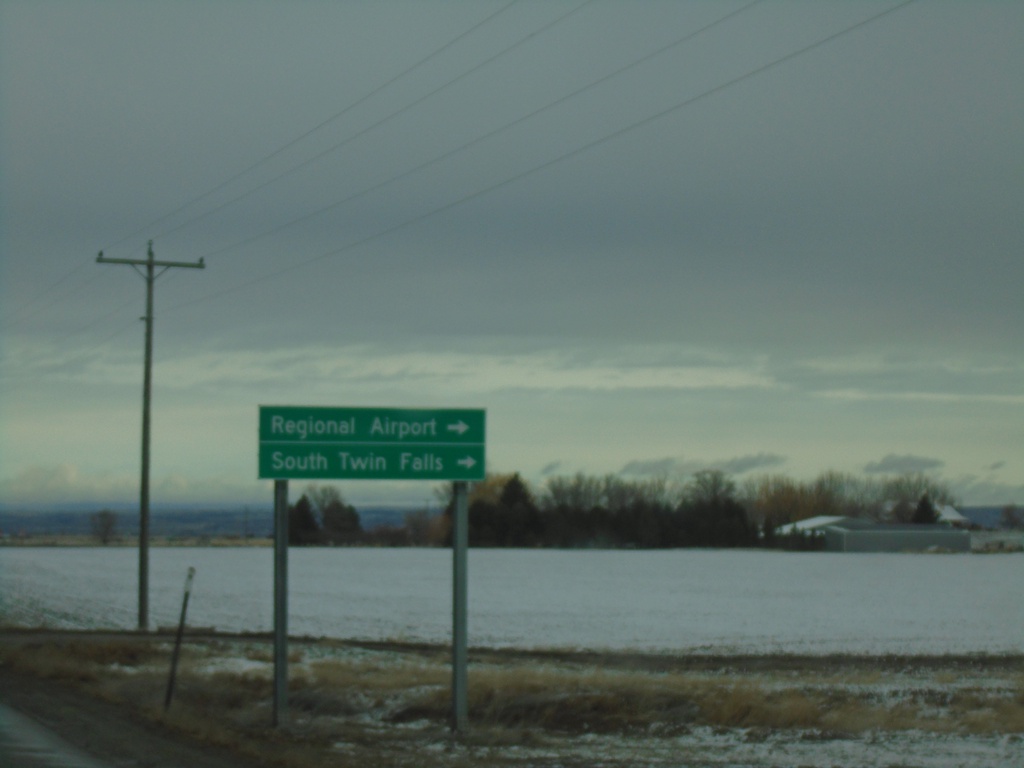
299	442
371	425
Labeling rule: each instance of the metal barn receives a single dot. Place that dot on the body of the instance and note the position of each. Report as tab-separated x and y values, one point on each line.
858	536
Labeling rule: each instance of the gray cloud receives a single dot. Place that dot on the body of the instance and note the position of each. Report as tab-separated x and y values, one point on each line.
668	466
672	466
898	465
743	464
605	290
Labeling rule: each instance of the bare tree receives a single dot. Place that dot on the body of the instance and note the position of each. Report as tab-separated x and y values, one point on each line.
710	486
339	522
912	486
577	492
418	524
1013	517
902	512
103	525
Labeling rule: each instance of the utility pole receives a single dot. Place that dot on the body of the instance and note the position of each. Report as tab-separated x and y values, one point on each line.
150	277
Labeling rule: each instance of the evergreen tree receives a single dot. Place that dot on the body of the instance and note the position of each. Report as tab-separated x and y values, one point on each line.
341	523
925	512
519	520
485	527
302	526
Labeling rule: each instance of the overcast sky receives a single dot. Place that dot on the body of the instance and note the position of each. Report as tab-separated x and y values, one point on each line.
648	237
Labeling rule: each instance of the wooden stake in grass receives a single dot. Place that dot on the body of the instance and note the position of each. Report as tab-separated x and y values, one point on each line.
177	639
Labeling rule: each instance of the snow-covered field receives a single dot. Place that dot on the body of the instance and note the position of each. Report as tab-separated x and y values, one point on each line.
692	600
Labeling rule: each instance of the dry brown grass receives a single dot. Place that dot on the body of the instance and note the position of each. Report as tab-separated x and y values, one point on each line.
380	707
747	705
81	661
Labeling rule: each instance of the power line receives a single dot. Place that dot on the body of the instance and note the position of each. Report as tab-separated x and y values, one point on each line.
490	135
314	129
333	148
14	315
28	310
518	176
554	161
94	323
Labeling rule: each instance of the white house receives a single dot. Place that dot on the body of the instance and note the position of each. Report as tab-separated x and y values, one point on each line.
810	525
950	516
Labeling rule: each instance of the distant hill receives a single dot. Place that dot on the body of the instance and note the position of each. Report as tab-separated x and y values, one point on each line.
249	522
985	517
245	522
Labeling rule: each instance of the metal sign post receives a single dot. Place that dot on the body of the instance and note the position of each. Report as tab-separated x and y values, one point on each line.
280	601
460	549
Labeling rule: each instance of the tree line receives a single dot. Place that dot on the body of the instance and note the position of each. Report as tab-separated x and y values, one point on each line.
581	511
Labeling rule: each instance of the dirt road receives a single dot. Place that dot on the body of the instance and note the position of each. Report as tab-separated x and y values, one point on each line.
24	743
101	734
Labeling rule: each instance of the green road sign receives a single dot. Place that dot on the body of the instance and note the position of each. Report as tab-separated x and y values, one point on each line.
299	442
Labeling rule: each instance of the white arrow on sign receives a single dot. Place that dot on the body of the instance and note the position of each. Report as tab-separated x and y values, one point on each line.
460	426
467	462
